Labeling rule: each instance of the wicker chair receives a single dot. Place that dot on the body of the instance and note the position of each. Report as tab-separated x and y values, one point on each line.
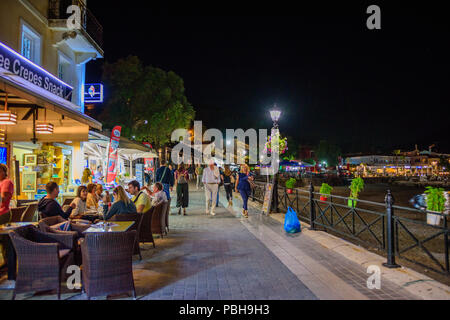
137	218
77	229
167	215
67	202
16	214
46	223
158	219
107	263
42	259
145	232
5	218
29	213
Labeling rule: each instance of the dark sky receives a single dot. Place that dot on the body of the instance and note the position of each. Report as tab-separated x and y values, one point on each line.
365	90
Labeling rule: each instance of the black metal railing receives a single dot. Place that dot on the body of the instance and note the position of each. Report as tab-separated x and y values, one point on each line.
58	10
384	227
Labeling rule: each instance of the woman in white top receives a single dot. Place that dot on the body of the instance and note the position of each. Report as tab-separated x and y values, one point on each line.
80	201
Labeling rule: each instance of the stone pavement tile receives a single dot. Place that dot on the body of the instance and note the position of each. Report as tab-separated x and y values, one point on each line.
348	271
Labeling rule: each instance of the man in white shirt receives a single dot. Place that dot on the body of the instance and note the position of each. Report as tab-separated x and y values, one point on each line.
158	195
211	180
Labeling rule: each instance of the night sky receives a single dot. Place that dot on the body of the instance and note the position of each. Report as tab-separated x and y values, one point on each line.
364	90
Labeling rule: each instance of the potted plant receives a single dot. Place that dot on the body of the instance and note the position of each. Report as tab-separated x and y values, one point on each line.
356	187
325	190
290	184
435	203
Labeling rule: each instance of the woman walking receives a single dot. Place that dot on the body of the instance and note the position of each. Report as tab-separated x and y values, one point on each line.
182	187
228	181
243	186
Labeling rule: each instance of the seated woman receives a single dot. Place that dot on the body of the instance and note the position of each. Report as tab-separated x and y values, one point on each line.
91	200
99	192
49	207
80	202
121	205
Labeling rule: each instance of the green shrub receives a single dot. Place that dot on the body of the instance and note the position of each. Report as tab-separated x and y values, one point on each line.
356	187
290	184
435	199
325	189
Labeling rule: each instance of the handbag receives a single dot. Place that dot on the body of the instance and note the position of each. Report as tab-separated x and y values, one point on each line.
181	178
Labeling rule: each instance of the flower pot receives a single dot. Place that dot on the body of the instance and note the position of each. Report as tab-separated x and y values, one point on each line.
351	203
322	198
289	191
433	219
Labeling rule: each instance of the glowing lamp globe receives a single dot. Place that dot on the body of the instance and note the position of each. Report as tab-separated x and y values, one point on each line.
275	115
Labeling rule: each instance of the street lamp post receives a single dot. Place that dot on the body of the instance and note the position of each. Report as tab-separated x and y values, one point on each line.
275	114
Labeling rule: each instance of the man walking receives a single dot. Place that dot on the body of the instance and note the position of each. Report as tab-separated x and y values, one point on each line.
199	172
211	180
191	172
165	176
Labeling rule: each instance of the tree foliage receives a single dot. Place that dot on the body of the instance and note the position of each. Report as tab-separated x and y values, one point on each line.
149	103
328	152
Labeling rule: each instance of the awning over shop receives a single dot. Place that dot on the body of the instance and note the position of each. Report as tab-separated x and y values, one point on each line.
133	154
103	138
19	87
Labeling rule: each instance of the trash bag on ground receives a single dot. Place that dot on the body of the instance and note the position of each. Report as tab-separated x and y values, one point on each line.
291	222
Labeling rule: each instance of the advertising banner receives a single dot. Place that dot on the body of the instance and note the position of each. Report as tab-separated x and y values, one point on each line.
113	155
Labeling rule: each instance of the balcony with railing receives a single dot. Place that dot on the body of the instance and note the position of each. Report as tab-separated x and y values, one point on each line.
90	27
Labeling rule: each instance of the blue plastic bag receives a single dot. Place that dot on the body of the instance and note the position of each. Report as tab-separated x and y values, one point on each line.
291	222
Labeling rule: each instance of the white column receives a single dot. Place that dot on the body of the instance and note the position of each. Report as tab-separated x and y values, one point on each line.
77	160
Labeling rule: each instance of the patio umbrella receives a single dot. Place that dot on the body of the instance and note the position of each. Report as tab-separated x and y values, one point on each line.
134	154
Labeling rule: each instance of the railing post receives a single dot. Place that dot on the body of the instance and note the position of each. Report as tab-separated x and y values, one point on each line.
312	213
275	194
447	263
390	232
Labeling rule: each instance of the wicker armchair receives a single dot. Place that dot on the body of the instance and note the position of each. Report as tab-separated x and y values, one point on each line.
45	225
158	219
5	218
107	263
42	259
16	214
137	218
145	232
167	215
29	213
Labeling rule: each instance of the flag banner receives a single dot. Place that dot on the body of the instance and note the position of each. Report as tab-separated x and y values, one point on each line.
113	155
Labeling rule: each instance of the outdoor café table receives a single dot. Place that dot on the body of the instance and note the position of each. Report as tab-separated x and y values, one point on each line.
115	226
10	251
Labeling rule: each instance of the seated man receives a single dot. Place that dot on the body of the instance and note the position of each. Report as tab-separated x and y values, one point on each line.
140	198
158	195
49	207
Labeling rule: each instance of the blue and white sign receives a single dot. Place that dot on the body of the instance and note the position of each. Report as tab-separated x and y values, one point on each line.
140	173
93	93
20	66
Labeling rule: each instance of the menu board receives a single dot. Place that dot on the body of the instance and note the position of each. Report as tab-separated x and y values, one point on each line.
268	190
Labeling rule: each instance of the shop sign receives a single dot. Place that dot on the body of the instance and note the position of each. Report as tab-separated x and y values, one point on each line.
93	93
20	66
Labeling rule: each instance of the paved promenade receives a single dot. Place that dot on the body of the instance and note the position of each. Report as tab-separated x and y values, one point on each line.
229	257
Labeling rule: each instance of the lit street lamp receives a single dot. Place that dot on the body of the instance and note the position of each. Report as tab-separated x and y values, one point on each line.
275	114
